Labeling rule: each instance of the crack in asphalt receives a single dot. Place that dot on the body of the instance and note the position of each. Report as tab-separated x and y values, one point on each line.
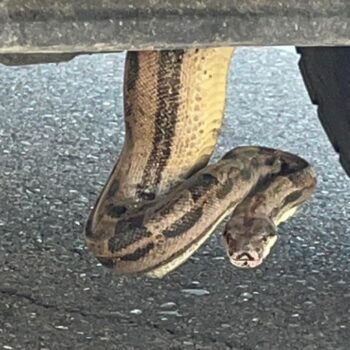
103	315
14	293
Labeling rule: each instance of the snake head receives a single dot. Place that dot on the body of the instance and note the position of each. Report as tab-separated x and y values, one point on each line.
249	240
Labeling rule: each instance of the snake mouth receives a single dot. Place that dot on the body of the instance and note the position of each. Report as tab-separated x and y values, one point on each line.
246	260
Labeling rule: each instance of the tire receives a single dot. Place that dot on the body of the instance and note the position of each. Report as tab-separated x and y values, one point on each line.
326	74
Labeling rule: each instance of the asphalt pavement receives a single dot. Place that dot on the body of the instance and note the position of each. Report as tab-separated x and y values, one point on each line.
61	129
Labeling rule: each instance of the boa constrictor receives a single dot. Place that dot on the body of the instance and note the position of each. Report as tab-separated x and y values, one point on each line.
162	200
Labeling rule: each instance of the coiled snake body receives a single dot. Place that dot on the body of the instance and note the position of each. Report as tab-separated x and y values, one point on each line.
162	201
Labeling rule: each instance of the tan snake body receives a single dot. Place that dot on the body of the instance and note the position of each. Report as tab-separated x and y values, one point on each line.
161	201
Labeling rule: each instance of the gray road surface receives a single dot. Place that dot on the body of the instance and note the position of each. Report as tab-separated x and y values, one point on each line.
61	128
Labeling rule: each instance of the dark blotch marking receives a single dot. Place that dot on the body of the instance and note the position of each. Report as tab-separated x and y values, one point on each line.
147	196
255	164
202	184
264	183
285	169
184	224
208	179
137	221
115	210
138	253
107	262
245	174
293	197
196	192
248	222
258	199
181	251
128	231
166	115
131	223
225	189
270	161
291	166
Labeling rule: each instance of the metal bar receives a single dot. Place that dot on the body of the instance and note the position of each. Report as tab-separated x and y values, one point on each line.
69	26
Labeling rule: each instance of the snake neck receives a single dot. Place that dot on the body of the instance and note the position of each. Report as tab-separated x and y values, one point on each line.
174	103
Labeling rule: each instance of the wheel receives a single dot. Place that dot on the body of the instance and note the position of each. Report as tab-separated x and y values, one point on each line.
326	73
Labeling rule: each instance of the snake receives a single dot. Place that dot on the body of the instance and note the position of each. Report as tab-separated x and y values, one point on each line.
163	198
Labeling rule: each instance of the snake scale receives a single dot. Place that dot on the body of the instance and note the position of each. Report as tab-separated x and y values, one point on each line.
162	200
